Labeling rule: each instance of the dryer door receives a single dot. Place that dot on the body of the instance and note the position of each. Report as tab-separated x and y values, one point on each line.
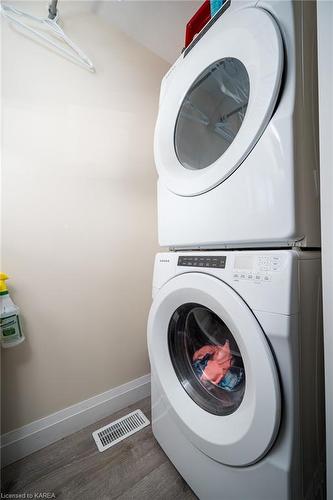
214	364
217	101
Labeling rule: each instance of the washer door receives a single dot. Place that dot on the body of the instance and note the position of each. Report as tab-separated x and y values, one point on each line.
215	367
218	101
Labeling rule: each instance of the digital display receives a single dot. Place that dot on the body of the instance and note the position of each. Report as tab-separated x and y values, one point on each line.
200	261
244	262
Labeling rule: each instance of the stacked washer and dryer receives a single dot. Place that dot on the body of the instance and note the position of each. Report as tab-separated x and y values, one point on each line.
234	331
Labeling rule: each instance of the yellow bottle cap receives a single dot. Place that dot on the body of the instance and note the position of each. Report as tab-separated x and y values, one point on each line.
3	286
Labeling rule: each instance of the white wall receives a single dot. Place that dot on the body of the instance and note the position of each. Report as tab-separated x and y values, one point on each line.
79	215
325	53
158	25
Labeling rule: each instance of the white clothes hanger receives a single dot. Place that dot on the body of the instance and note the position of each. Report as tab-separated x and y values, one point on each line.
51	24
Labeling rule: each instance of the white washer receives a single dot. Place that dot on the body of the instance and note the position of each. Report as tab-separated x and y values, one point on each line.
257	433
236	135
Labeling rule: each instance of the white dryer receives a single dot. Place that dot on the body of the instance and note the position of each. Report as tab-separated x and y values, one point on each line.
235	345
236	133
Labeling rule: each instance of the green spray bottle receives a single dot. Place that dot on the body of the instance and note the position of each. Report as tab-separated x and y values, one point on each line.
10	325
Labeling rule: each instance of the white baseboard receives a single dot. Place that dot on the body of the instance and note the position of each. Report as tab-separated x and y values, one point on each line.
32	437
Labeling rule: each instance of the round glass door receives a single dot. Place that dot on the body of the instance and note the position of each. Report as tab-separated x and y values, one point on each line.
206	359
210	357
212	113
217	101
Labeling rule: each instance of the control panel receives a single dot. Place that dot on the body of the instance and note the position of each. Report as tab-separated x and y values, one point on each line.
257	269
199	261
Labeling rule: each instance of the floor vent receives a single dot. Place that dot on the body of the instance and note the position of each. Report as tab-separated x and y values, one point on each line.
113	433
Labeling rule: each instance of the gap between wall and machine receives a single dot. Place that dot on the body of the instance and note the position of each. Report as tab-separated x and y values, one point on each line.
32	437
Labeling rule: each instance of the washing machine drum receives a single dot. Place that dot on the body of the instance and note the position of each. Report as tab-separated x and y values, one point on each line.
217	101
214	365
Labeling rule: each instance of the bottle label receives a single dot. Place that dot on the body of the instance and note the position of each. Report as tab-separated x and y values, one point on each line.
10	328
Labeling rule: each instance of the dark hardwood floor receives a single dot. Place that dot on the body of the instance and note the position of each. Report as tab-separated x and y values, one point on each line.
73	468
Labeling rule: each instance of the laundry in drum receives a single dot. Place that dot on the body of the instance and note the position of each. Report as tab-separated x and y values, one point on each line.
214	364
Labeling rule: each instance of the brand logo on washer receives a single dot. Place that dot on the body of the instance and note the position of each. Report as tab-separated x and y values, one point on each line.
164	260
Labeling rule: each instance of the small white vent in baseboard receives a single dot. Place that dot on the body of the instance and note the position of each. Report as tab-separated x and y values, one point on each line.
116	431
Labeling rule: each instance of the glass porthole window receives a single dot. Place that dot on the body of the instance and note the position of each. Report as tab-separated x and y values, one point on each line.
212	113
206	359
